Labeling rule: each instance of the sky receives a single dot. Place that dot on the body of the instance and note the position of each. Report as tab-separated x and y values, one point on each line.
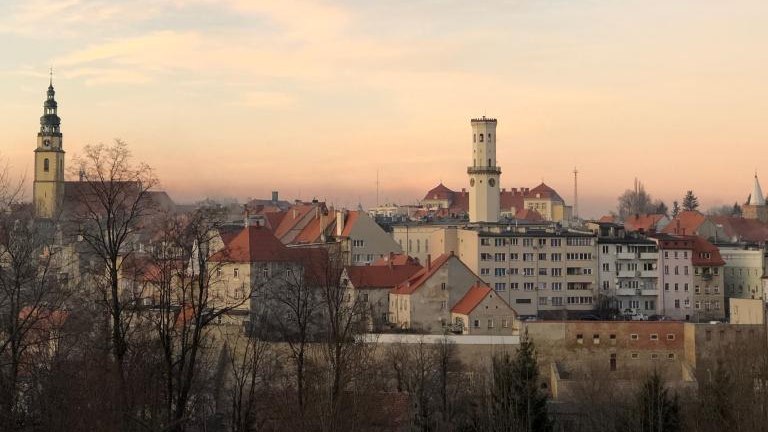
236	98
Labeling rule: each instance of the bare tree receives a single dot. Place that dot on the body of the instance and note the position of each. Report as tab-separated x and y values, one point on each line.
112	204
31	306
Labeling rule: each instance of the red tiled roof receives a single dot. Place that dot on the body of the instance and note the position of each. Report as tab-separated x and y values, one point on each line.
291	218
274	219
472	298
644	222
528	214
608	218
311	233
701	246
686	223
544	191
439	192
253	244
349	222
415	281
512	199
395	260
381	276
741	229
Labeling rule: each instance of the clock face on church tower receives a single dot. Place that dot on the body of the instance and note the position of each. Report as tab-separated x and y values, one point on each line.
47	143
492	182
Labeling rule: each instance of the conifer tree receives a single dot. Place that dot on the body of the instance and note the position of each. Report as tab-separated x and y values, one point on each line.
690	201
517	404
675	209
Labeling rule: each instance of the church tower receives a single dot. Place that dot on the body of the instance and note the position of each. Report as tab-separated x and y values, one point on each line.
755	207
484	195
48	188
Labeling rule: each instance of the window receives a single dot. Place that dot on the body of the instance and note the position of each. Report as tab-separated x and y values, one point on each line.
542	301
677	303
612	337
500	286
671	356
654	356
666	286
46	165
358	243
596	339
635	356
505	323
557	286
490	323
485	271
654	336
523	301
634	336
579	339
443	305
442	286
557	301
236	273
670	336
481	137
499	271
476	324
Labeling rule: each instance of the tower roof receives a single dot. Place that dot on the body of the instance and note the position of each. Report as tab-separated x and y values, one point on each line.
50	122
757	197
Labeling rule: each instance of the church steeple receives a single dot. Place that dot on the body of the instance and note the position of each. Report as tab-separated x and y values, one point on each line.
48	188
757	197
50	123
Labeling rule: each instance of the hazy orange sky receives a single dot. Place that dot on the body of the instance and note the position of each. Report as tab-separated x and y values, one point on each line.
241	97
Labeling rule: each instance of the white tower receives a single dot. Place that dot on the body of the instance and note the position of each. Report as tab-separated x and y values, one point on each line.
484	195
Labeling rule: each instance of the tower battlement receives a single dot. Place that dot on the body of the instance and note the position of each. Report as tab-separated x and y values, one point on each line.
483	119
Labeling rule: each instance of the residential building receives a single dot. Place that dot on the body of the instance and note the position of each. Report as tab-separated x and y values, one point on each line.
743	271
708	285
483	312
675	269
425	300
628	273
371	286
539	272
693	223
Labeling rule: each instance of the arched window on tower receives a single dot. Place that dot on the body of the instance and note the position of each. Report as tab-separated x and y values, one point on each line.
46	165
481	137
474	137
489	162
489	137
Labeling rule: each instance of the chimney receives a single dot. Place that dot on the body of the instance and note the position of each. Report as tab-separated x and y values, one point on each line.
339	223
274	196
429	261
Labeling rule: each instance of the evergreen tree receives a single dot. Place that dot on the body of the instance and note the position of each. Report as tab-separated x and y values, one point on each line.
658	410
690	202
736	210
675	209
517	404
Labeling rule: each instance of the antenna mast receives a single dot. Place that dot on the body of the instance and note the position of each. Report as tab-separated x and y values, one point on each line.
575	193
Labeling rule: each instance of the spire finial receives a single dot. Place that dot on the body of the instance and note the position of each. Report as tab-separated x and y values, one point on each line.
50	75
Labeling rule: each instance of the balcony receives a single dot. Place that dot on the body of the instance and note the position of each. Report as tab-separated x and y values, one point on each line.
650	292
626	292
626	255
649	256
627	273
649	273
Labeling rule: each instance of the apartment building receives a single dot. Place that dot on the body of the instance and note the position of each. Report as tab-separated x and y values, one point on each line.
547	273
675	276
628	275
743	271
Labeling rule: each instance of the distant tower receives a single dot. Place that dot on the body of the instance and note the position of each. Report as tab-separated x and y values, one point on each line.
575	193
484	195
48	187
755	207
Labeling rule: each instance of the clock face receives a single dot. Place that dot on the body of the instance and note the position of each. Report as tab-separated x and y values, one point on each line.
472	182
47	143
492	182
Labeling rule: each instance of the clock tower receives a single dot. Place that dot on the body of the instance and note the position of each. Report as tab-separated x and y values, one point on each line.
484	195
48	188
